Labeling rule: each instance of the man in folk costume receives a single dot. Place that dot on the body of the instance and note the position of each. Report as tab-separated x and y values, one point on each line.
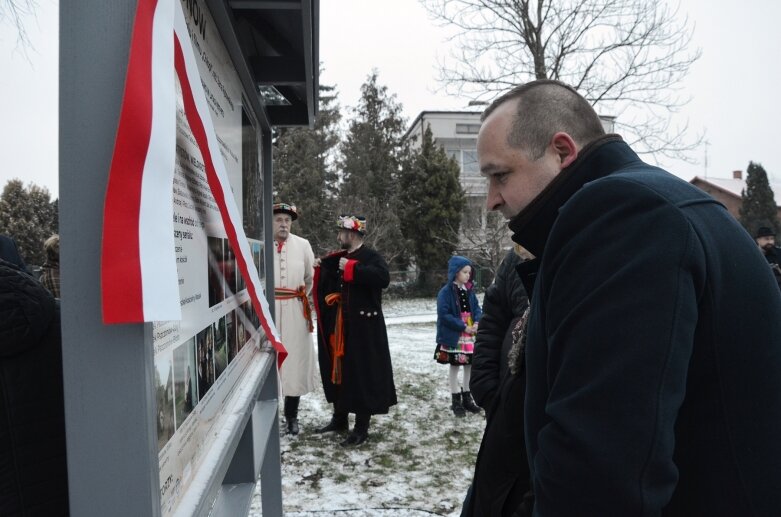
293	275
355	363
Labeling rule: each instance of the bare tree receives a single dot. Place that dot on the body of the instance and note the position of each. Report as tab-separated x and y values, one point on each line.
382	228
14	12
486	245
627	57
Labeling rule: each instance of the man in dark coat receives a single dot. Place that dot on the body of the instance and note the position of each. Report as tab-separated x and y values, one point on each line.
653	353
765	238
355	364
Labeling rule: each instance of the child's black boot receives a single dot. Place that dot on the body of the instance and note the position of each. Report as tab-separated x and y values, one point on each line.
469	403
457	406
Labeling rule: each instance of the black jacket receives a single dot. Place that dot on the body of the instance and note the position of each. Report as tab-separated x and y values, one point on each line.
773	257
502	485
654	347
33	472
367	374
505	299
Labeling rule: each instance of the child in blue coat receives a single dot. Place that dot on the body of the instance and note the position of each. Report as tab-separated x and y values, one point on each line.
457	315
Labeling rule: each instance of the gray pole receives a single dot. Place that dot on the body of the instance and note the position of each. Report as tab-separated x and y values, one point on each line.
112	466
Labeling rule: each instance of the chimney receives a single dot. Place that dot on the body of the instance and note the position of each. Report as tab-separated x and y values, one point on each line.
737	175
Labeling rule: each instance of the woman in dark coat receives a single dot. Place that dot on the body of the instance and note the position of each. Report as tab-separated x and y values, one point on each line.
505	300
356	370
502	483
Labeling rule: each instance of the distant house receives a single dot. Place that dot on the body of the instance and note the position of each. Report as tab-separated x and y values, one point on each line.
729	191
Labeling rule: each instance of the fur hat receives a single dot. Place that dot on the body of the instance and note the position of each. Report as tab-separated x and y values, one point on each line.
355	223
764	231
284	208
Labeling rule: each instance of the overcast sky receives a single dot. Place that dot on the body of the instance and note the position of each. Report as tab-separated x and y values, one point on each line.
732	85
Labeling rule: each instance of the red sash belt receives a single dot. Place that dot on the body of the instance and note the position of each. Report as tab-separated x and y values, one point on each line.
284	293
337	338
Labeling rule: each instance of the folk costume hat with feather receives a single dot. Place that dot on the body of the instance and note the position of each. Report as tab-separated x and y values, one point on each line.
354	223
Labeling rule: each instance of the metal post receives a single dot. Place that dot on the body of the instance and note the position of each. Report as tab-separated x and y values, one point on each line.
109	399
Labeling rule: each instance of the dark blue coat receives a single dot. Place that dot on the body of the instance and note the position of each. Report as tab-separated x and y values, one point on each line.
449	323
654	347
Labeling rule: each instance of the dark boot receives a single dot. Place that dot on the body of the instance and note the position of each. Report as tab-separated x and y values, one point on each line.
360	431
469	403
456	406
338	423
291	414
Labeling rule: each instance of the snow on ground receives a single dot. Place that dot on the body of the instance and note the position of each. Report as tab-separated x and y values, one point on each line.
419	458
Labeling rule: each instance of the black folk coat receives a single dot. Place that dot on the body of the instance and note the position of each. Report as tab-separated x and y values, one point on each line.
654	347
367	374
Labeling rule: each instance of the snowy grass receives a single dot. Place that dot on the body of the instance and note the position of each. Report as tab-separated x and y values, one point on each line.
419	458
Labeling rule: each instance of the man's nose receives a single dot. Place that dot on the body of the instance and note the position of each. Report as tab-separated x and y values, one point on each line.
493	201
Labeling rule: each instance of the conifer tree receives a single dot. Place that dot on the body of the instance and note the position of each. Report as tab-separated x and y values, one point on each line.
372	156
433	200
305	172
29	217
759	206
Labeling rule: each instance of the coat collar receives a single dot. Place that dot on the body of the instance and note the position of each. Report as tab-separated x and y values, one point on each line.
598	159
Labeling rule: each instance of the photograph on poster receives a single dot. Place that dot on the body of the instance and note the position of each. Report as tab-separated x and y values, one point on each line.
241	333
216	280
205	351
220	348
164	386
252	179
230	324
251	320
257	255
184	380
240	283
228	268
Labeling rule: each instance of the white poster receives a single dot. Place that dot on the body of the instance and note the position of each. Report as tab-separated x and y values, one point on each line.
200	360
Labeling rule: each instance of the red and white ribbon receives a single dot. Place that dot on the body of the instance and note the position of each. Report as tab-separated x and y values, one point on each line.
138	263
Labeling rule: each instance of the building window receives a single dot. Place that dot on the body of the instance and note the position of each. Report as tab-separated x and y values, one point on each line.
466	159
469	164
456	155
468	129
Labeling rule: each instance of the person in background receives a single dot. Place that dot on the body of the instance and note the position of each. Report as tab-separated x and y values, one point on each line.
294	264
50	277
33	469
505	300
502	484
653	342
458	314
10	253
355	362
765	238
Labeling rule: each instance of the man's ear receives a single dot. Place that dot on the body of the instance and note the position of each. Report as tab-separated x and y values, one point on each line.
565	148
